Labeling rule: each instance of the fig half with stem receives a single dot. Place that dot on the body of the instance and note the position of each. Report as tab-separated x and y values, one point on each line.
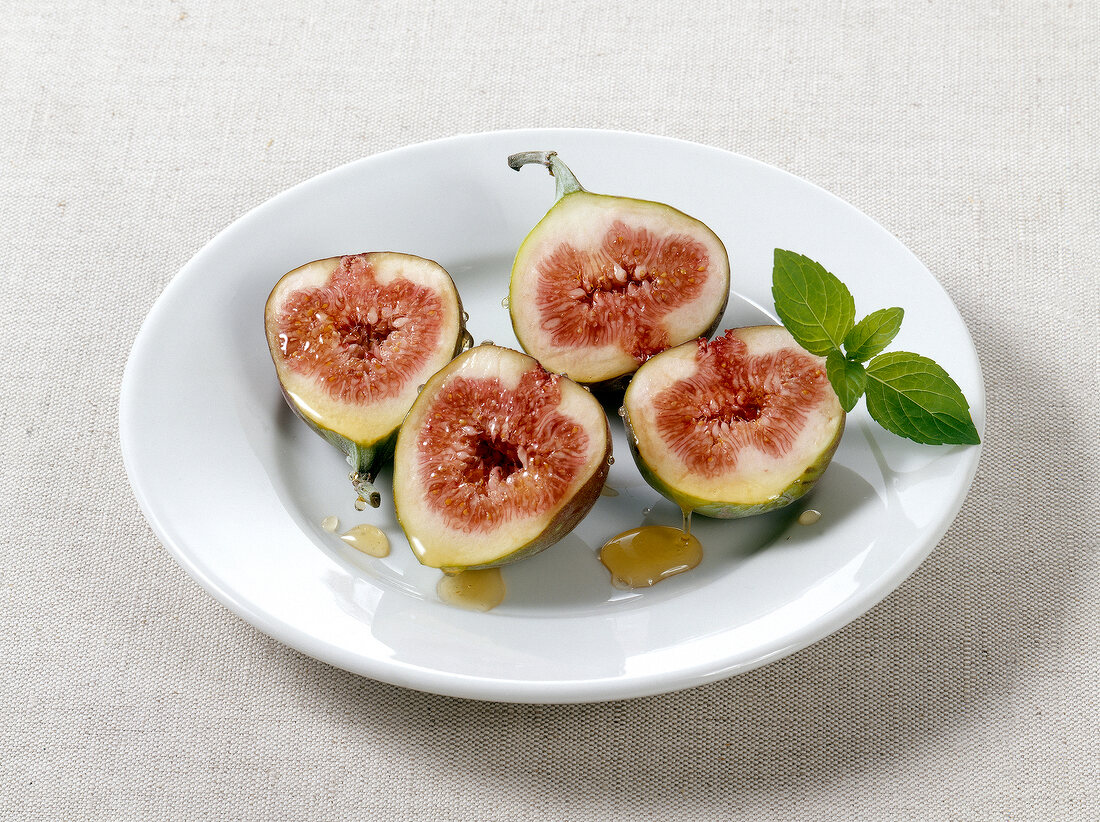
353	338
497	460
743	424
602	283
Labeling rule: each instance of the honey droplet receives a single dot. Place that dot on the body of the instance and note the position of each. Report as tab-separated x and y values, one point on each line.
505	303
360	504
608	491
368	539
809	516
478	590
330	524
642	557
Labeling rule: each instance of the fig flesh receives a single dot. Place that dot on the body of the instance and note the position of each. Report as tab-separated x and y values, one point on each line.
740	425
352	339
498	459
602	282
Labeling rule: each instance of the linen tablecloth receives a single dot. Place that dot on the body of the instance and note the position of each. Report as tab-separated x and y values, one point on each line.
133	132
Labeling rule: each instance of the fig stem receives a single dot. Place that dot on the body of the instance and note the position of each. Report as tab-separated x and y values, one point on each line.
364	486
567	182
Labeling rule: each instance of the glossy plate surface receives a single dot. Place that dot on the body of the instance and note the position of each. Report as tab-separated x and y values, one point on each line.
236	487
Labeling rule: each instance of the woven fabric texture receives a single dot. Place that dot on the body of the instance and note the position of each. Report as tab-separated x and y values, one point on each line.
133	132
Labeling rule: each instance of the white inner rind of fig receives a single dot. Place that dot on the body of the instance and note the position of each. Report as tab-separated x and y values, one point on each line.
461	524
585	221
757	475
367	419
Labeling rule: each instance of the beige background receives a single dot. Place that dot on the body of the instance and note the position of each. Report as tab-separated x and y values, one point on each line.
131	133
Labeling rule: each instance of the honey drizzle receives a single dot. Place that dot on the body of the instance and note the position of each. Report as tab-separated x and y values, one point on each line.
477	590
368	539
809	517
642	557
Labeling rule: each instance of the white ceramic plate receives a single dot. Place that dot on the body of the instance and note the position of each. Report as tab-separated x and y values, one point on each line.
236	487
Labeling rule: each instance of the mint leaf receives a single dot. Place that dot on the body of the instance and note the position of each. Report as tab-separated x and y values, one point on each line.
913	397
848	379
873	333
815	306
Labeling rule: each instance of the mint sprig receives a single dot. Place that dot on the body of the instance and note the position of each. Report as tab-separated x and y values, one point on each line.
906	393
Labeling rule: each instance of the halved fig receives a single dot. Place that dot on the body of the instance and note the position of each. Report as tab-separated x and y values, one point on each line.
602	283
498	459
353	338
737	426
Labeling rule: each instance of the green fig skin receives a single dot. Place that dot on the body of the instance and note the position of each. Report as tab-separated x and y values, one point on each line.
733	509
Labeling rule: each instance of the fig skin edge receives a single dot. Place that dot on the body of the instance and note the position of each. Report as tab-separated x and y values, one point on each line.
558	526
610	389
365	458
